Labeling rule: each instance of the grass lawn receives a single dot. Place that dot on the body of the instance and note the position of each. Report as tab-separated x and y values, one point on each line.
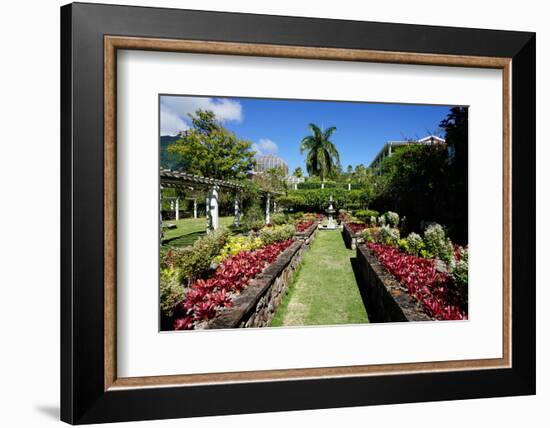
323	290
189	230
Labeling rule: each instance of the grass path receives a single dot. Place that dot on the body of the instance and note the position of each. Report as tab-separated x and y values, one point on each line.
323	290
189	230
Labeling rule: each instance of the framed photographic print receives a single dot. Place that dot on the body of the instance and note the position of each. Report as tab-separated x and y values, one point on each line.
265	213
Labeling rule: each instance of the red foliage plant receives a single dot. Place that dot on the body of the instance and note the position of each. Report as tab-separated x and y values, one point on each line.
430	287
207	296
302	226
356	227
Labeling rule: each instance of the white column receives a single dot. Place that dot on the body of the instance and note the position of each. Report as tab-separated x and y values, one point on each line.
267	206
274	206
177	209
323	185
295	186
212	208
389	150
195	207
349	186
207	213
236	218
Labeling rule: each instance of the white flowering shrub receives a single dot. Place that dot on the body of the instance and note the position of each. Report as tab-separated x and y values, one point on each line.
373	221
437	244
392	218
460	271
415	244
381	220
389	235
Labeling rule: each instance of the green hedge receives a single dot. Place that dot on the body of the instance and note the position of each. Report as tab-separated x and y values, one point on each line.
318	199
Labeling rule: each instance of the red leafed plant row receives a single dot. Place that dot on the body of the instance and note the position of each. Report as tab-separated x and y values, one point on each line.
207	296
431	288
302	226
356	227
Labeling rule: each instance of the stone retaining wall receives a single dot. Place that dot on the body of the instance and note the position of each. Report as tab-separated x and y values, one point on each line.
309	234
257	303
387	299
351	239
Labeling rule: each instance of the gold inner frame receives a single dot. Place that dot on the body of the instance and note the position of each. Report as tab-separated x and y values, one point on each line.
113	43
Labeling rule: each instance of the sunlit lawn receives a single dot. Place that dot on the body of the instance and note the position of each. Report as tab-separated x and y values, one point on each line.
189	230
324	290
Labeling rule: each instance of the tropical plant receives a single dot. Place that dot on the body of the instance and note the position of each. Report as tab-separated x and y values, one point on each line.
206	297
322	157
298	172
423	282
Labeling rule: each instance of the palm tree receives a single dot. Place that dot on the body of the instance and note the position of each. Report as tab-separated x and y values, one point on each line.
298	172
322	156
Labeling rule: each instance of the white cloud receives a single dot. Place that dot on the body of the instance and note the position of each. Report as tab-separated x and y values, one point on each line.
174	111
265	146
170	122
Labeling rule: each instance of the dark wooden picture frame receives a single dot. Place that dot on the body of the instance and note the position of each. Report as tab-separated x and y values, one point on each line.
90	389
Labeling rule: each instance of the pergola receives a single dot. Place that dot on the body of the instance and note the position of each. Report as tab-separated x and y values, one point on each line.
185	181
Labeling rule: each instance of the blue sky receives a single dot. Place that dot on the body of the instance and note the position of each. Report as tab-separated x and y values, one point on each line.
278	126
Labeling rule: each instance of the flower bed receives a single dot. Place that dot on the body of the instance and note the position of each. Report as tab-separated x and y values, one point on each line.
356	228
206	297
304	225
433	289
351	234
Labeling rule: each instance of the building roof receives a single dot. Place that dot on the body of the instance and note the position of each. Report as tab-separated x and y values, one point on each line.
269	161
429	139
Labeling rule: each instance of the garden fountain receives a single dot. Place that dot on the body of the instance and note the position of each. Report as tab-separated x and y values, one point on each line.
331	225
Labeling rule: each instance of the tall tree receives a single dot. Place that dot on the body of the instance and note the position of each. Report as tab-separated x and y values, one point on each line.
322	157
208	149
298	172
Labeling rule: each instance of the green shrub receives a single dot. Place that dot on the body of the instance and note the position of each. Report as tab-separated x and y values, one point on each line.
366	215
460	272
270	235
171	291
438	244
392	218
388	235
415	244
278	219
403	245
253	218
193	262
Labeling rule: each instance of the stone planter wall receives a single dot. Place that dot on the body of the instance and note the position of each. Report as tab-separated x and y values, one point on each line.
387	299
351	239
257	303
309	234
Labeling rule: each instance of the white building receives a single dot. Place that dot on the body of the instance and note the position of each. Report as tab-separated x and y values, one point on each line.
390	147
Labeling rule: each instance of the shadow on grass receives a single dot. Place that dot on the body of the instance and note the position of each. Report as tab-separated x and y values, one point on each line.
184	240
361	286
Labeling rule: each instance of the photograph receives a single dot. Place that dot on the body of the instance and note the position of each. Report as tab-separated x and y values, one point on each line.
294	213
